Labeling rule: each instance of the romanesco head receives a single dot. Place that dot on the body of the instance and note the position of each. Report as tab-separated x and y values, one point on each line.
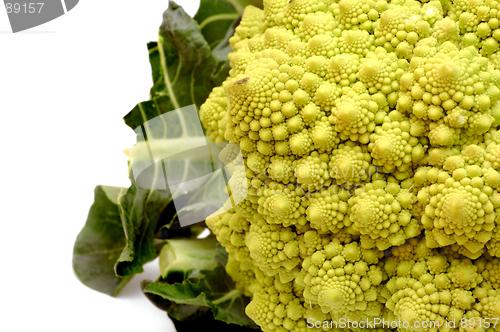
369	131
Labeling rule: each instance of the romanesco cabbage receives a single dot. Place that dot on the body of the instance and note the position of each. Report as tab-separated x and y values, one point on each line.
369	131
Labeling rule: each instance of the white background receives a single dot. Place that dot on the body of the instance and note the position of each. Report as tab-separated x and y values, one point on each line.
64	88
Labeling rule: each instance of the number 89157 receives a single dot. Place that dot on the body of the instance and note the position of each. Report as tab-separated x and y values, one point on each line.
25	8
478	323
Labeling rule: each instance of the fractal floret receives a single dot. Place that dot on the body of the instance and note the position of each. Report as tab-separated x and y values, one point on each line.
370	135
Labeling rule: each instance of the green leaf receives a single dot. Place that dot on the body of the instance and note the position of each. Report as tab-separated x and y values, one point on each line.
183	67
188	257
159	155
100	243
156	70
140	210
184	71
193	273
175	310
208	198
216	21
187	318
184	58
215	18
172	147
223	49
241	4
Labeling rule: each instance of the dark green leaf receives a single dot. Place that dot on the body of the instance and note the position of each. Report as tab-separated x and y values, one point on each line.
184	71
149	195
209	323
215	17
241	4
140	210
160	155
216	21
208	198
175	310
156	72
187	318
100	243
223	49
193	273
183	68
186	58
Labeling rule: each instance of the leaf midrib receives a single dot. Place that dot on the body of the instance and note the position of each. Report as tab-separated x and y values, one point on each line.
168	83
218	17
